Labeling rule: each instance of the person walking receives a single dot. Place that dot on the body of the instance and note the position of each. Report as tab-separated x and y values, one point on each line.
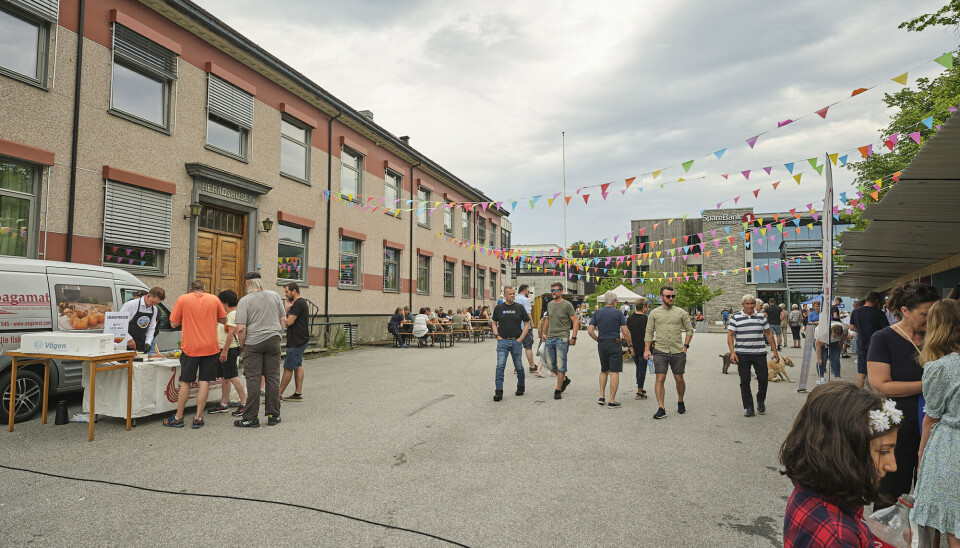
725	315
745	339
555	332
523	297
510	324
260	321
607	327
795	319
866	320
298	337
637	324
774	313
665	325
199	313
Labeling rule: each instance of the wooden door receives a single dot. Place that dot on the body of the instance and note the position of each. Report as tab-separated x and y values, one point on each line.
229	264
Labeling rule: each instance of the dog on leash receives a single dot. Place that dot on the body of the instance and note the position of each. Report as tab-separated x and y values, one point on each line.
775	371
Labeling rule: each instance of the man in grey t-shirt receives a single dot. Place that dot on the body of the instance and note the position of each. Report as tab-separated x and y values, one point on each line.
555	330
260	320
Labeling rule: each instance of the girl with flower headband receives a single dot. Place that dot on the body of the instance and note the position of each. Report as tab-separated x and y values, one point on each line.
938	484
840	447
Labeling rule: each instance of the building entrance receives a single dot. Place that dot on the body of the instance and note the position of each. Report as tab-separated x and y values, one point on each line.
221	249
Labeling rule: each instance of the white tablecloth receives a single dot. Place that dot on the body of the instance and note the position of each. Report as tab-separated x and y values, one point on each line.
156	385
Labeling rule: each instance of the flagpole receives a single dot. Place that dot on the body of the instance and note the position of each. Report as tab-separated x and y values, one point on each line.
563	152
827	226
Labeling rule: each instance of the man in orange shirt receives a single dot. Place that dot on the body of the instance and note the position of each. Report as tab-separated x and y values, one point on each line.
199	313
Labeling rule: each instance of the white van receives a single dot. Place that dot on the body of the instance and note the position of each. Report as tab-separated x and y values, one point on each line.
46	296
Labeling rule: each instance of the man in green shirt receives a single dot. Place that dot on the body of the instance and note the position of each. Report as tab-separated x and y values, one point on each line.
555	330
665	325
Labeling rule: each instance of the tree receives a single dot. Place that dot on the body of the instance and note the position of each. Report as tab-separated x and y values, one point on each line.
948	15
692	294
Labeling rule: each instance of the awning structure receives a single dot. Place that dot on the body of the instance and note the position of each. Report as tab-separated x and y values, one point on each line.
915	228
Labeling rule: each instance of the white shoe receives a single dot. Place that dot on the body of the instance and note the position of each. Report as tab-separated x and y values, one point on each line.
838	379
821	381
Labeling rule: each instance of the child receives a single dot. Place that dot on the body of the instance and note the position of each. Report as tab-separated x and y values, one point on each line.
840	445
938	483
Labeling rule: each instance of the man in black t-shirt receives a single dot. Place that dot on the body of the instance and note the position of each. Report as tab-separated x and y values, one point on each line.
510	324
774	316
298	336
866	320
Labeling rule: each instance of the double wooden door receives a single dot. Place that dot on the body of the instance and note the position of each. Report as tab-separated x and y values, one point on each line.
221	254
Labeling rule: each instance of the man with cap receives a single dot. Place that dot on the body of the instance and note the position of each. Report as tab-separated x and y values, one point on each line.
608	326
261	319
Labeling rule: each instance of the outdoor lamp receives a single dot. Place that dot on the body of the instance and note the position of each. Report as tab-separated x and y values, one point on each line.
267	225
195	210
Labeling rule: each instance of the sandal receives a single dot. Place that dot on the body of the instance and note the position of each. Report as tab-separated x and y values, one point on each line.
541	375
640	396
173	421
197	423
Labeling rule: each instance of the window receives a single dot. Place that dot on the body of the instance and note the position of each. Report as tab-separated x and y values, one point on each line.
349	264
465	225
294	150
137	230
391	193
481	231
481	282
448	268
229	118
466	281
504	238
144	74
493	235
351	181
494	288
82	307
18	183
423	274
291	253
423	202
391	269
448	220
25	40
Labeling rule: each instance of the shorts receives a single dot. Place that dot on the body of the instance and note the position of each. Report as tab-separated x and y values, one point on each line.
205	365
228	369
675	362
862	362
777	330
611	356
528	340
294	358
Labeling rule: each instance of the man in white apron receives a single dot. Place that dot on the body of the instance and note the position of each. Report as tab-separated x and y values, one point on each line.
143	314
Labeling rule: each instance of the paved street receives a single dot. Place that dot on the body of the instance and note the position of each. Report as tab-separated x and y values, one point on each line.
412	438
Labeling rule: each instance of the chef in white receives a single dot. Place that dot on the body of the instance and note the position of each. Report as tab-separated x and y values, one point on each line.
143	313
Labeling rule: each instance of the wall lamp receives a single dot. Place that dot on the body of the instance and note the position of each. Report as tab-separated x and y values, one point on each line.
195	210
267	225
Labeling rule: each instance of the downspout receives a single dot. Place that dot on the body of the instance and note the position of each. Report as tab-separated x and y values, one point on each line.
476	230
412	250
326	283
76	131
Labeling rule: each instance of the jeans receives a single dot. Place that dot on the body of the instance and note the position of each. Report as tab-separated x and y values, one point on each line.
759	364
834	360
641	368
555	354
515	348
395	331
262	360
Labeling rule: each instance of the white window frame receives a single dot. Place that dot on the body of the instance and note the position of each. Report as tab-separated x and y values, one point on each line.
305	144
358	271
466	279
482	282
392	184
302	280
33	207
423	206
481	230
465	227
448	220
423	265
40	18
358	170
397	262
146	70
452	273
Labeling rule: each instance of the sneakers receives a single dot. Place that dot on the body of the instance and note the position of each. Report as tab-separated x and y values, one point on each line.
614	405
802	391
520	390
838	379
198	423
749	412
602	401
405	346
273	420
821	380
681	409
556	394
239	411
661	413
498	395
244	423
293	397
762	409
563	387
220	408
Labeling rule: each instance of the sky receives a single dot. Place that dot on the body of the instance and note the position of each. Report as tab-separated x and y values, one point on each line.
505	94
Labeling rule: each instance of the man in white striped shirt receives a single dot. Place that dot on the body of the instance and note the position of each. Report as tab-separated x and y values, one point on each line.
746	332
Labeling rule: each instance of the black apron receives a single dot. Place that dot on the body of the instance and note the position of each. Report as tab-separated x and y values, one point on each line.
139	323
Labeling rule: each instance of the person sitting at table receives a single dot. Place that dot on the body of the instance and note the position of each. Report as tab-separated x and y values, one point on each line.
420	328
143	313
407	325
393	326
433	323
457	320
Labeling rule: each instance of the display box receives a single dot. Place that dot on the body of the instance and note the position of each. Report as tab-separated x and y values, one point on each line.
68	344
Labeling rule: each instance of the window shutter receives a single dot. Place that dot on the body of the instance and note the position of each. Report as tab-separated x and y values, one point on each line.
144	53
137	216
44	9
229	102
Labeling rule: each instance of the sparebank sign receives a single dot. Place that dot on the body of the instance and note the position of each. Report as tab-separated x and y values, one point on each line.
723	218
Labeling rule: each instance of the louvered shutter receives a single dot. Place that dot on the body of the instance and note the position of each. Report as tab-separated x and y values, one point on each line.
137	216
44	9
229	102
144	53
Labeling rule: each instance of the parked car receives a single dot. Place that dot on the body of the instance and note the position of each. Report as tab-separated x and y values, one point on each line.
55	296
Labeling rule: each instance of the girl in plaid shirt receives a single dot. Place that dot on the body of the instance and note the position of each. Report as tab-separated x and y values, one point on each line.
840	445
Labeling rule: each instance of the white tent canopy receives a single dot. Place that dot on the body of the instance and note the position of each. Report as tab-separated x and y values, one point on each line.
624	295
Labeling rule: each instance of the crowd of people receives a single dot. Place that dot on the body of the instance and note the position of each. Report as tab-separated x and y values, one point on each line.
427	323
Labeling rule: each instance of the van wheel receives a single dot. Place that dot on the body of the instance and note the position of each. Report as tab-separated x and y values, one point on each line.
29	395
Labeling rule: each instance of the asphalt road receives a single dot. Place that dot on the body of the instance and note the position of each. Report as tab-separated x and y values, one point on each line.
412	439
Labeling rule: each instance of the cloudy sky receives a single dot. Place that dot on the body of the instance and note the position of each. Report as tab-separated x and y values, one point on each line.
486	89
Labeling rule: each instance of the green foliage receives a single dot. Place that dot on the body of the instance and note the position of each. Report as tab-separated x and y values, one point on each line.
693	294
948	15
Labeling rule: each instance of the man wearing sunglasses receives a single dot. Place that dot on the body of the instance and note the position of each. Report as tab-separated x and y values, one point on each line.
665	325
555	332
